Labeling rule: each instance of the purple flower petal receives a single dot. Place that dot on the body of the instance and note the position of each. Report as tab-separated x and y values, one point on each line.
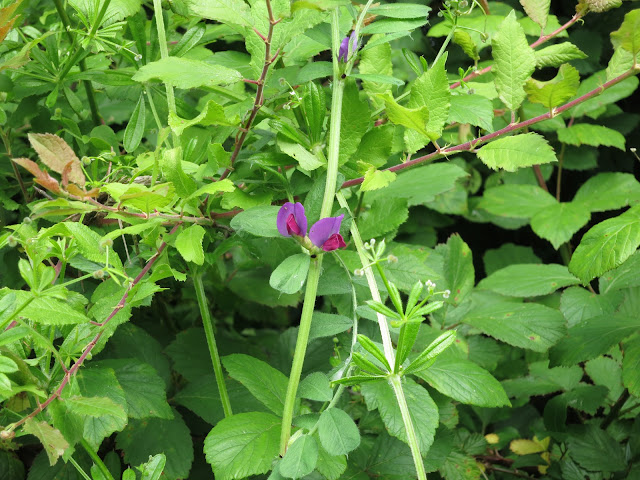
354	42
343	53
334	242
323	229
292	220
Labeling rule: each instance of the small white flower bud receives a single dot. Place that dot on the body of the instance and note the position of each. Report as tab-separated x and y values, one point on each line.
138	57
11	241
107	242
392	259
633	149
430	285
98	274
372	242
446	293
358	272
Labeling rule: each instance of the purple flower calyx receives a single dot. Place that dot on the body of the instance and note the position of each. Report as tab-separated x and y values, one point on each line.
349	45
324	234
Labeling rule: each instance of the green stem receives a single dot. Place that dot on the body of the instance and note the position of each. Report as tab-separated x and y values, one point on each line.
301	348
96	459
15	313
373	286
446	42
79	468
412	438
211	342
164	53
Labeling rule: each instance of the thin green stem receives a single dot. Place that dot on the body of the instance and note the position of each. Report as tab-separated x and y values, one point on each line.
446	43
96	459
164	53
301	348
15	313
412	438
373	286
211	343
79	468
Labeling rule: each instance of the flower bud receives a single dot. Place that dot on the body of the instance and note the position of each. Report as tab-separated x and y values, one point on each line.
358	272
11	241
446	294
98	274
107	242
392	259
27	220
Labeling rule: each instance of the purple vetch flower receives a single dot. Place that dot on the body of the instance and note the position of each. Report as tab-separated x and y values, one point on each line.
325	234
292	220
343	53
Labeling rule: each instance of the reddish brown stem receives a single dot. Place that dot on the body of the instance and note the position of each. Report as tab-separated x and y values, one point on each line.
540	41
259	101
87	350
469	146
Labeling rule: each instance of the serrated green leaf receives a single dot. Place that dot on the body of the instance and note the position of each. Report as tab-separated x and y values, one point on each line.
327	325
628	35
465	382
95	407
516	201
525	325
594	449
54	443
474	109
355	120
307	160
537	10
458	271
594	135
606	245
242	445
338	432
556	91
413	118
421	185
621	62
557	54
331	466
430	90
300	459
263	381
529	280
171	71
608	191
560	221
232	12
376	179
592	337
376	61
424	412
315	386
189	244
518	151
212	114
391	25
172	169
382	217
625	276
631	366
291	274
514	62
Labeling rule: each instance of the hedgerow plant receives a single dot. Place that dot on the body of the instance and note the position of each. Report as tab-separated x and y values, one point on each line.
237	238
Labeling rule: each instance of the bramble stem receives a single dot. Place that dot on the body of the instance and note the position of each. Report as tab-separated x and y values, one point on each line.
471	145
87	349
211	343
259	100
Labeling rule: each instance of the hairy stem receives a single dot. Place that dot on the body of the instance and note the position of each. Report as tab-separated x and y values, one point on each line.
164	51
471	145
207	323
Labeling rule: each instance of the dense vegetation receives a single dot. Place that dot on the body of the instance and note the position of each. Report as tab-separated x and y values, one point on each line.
319	239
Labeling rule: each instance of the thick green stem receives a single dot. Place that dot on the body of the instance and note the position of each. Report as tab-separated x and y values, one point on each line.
301	349
211	343
412	438
96	459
